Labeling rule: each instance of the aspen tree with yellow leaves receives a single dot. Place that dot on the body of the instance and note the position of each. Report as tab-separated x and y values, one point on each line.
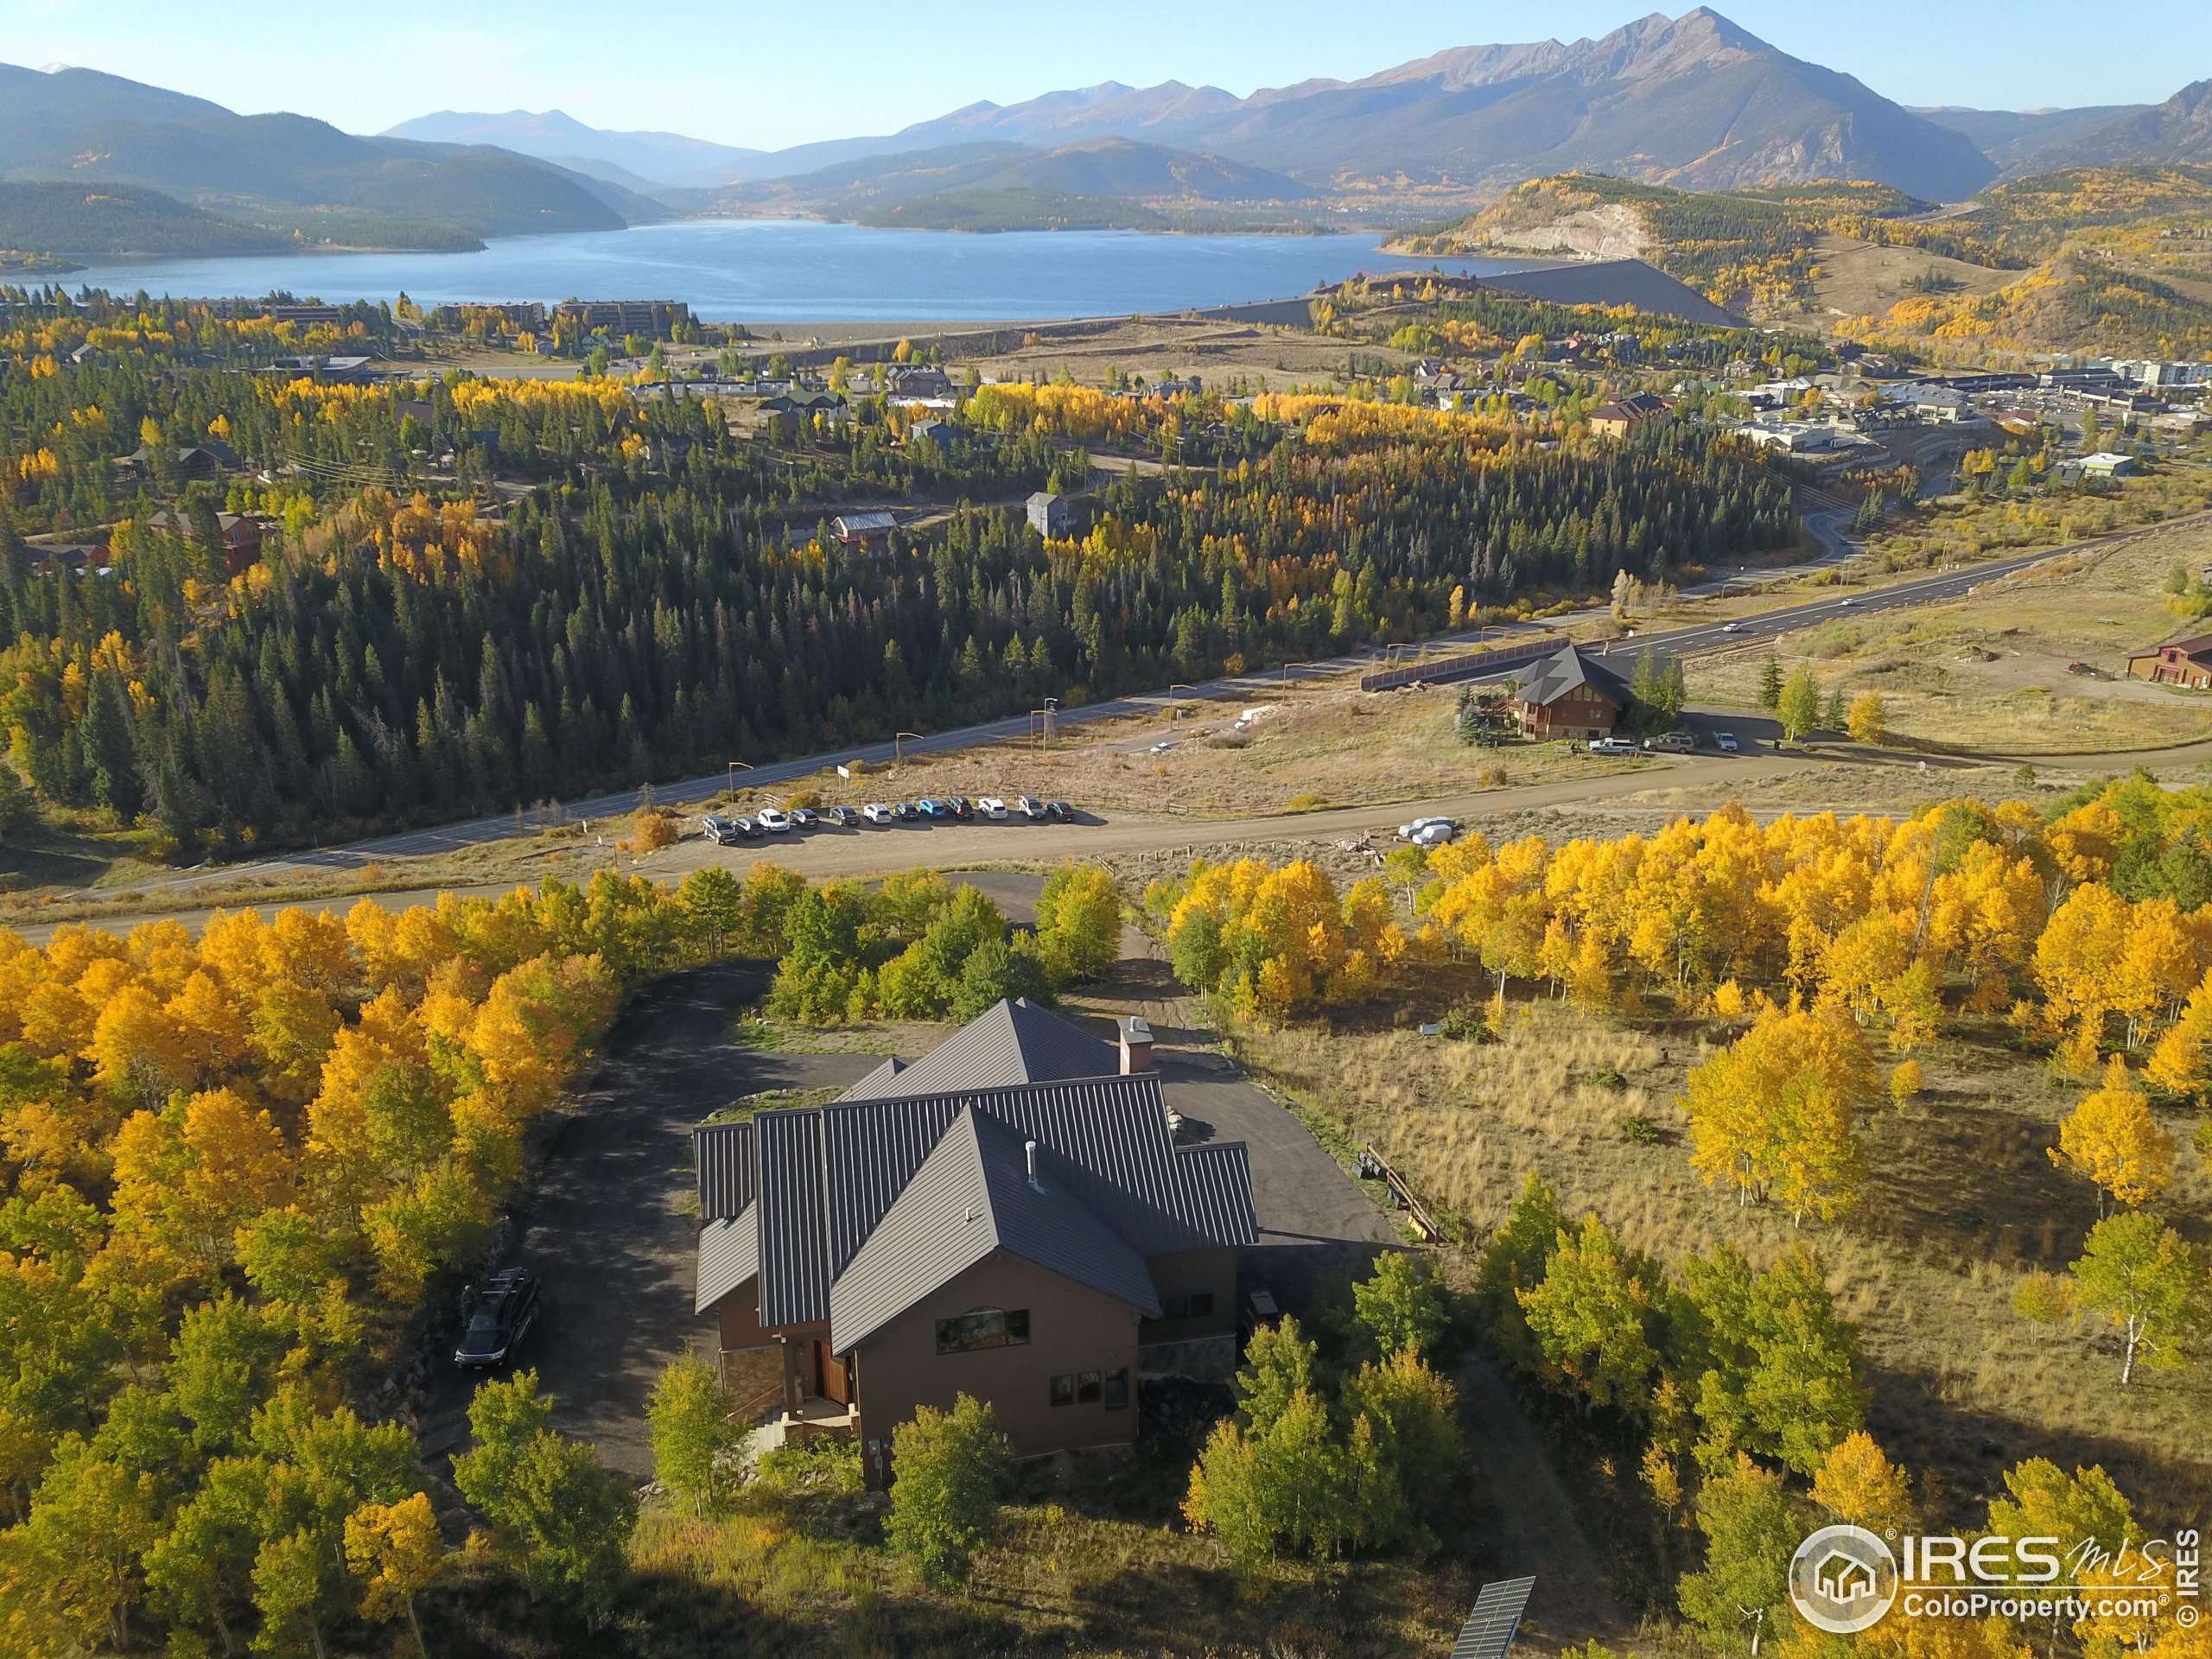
2111	1138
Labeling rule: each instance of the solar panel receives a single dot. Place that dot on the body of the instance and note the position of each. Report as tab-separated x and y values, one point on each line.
1490	1630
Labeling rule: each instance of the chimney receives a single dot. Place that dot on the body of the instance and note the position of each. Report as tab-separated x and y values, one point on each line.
1136	1045
1029	1151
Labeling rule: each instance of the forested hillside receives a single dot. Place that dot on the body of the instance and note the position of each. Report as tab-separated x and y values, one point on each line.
661	603
118	219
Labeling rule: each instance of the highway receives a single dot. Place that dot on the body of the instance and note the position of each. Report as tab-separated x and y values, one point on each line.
1241	689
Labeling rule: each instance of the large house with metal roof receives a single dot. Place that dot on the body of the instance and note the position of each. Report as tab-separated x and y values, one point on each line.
1011	1216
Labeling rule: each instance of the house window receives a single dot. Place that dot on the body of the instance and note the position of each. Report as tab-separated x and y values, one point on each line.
1064	1388
1202	1304
1175	1307
1117	1390
983	1327
1087	1385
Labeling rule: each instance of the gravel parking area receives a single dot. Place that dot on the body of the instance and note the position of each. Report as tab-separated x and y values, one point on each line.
610	1227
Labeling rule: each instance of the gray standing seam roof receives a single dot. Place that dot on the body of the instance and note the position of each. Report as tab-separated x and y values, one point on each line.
814	1184
730	1253
794	1263
1009	1043
729	1172
970	1198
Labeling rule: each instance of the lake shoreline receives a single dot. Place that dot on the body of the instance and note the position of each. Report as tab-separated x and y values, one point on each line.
785	274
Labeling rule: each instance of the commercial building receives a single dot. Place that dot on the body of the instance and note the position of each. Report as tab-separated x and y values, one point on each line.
1571	694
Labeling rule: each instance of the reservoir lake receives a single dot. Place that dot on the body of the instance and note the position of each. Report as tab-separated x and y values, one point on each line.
749	271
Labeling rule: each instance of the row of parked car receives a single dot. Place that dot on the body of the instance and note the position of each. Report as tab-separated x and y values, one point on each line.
1665	743
728	829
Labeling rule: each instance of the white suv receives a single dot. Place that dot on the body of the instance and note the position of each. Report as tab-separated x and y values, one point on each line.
773	819
876	813
991	807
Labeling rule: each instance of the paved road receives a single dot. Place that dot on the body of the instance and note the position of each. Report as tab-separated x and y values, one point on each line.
1248	688
950	844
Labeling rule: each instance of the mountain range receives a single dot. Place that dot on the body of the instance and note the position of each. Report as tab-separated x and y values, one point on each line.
253	177
1692	102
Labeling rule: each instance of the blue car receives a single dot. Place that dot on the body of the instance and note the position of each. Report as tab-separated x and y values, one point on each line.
935	809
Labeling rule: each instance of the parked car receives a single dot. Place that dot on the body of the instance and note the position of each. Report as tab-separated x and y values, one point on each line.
877	812
931	808
991	807
1726	741
1408	831
773	820
843	817
904	811
1059	812
496	1318
804	817
963	809
1434	834
1613	746
1030	807
721	829
1672	743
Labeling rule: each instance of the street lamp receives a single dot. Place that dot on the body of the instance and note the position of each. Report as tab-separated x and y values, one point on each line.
897	754
730	772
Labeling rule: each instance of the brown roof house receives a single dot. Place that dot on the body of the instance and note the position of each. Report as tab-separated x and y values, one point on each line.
1010	1216
1622	416
2186	661
1570	694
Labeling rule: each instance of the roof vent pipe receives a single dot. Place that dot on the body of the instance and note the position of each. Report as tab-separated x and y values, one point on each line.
1029	1151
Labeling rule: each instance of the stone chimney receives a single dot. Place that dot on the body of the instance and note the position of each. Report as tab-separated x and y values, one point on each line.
1136	1045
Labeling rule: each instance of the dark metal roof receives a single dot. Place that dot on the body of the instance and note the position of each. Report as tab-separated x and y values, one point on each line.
730	1253
1491	1628
970	1198
794	1256
827	1179
728	1174
1548	681
1009	1043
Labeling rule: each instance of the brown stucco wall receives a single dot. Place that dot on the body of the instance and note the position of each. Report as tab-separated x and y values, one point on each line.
1071	1328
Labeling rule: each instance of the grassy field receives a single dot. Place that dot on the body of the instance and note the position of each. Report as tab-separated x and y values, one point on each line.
1962	1202
1856	279
1990	673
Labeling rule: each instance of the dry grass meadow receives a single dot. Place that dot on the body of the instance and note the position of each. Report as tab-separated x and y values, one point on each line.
1989	673
1962	1202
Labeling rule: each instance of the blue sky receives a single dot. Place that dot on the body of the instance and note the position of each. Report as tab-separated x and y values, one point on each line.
771	75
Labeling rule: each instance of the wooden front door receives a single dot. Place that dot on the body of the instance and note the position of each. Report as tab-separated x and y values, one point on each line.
832	1379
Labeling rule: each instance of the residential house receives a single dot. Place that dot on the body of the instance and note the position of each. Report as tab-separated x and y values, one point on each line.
240	534
940	433
1010	1216
1051	515
191	461
918	380
803	406
2186	661
1623	416
868	531
1569	694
